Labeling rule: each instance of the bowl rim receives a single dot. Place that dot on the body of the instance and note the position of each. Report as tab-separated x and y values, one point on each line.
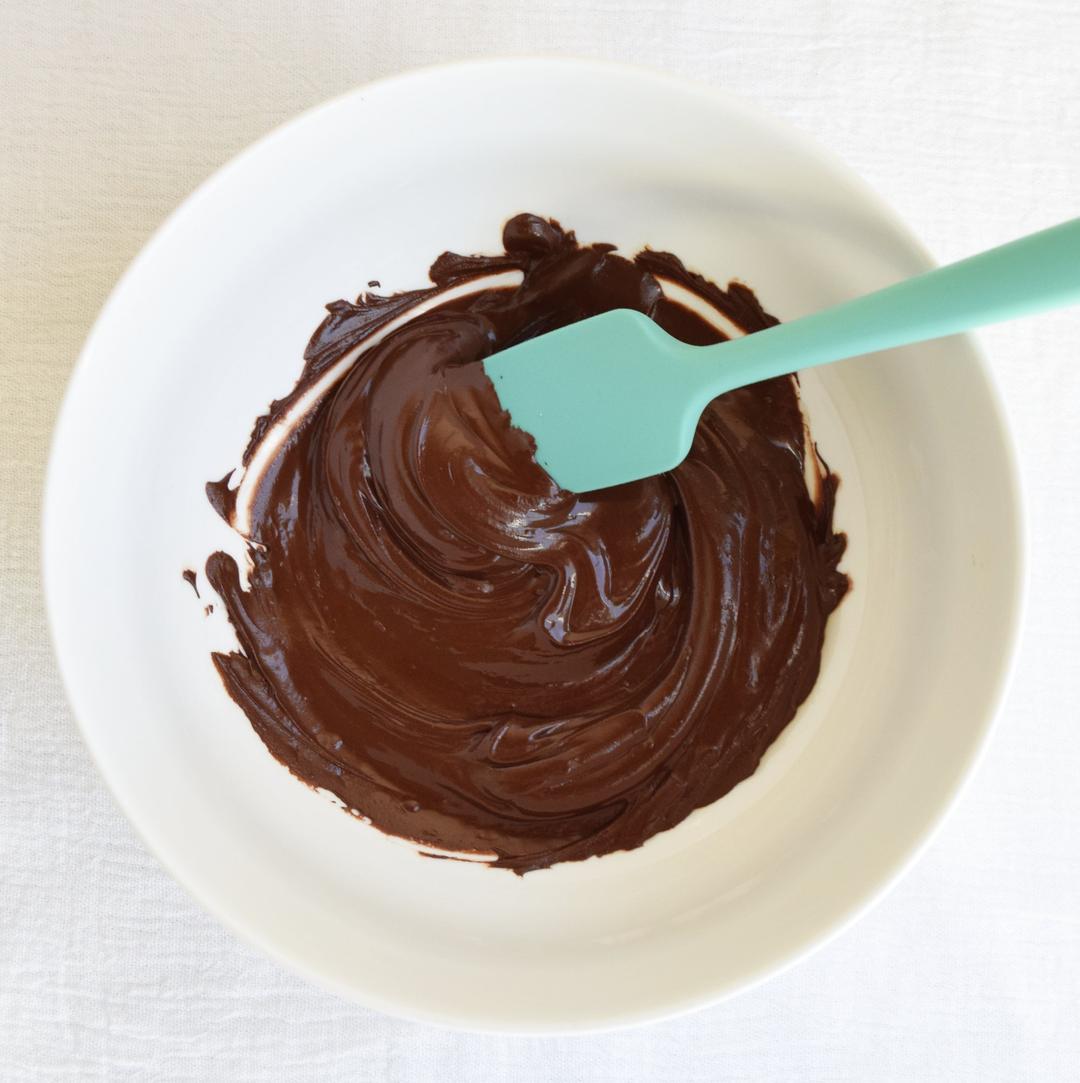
1017	589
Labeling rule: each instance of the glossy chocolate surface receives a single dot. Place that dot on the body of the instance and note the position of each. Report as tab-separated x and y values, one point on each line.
479	661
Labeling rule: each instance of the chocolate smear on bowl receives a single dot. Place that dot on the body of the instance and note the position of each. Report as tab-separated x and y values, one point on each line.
469	656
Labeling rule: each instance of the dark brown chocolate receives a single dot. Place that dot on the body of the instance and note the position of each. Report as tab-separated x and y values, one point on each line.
479	661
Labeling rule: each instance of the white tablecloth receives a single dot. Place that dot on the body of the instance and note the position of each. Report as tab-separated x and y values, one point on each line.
964	113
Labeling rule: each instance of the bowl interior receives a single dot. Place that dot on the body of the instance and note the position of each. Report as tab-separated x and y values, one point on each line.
209	325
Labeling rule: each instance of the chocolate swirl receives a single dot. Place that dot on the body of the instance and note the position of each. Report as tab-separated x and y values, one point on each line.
478	660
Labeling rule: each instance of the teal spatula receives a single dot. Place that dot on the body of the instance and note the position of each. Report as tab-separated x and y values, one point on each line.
614	398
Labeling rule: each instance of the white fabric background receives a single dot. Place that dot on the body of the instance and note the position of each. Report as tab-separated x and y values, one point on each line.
965	114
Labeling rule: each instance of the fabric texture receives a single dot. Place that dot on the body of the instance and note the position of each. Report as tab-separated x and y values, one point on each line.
964	115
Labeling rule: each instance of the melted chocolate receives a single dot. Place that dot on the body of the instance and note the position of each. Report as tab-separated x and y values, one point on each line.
471	657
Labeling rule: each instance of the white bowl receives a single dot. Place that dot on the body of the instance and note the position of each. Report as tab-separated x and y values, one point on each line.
209	324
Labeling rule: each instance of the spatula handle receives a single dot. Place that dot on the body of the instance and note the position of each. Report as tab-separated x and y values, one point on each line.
1034	273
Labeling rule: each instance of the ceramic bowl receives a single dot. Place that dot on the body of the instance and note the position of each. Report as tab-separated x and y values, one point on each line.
209	324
